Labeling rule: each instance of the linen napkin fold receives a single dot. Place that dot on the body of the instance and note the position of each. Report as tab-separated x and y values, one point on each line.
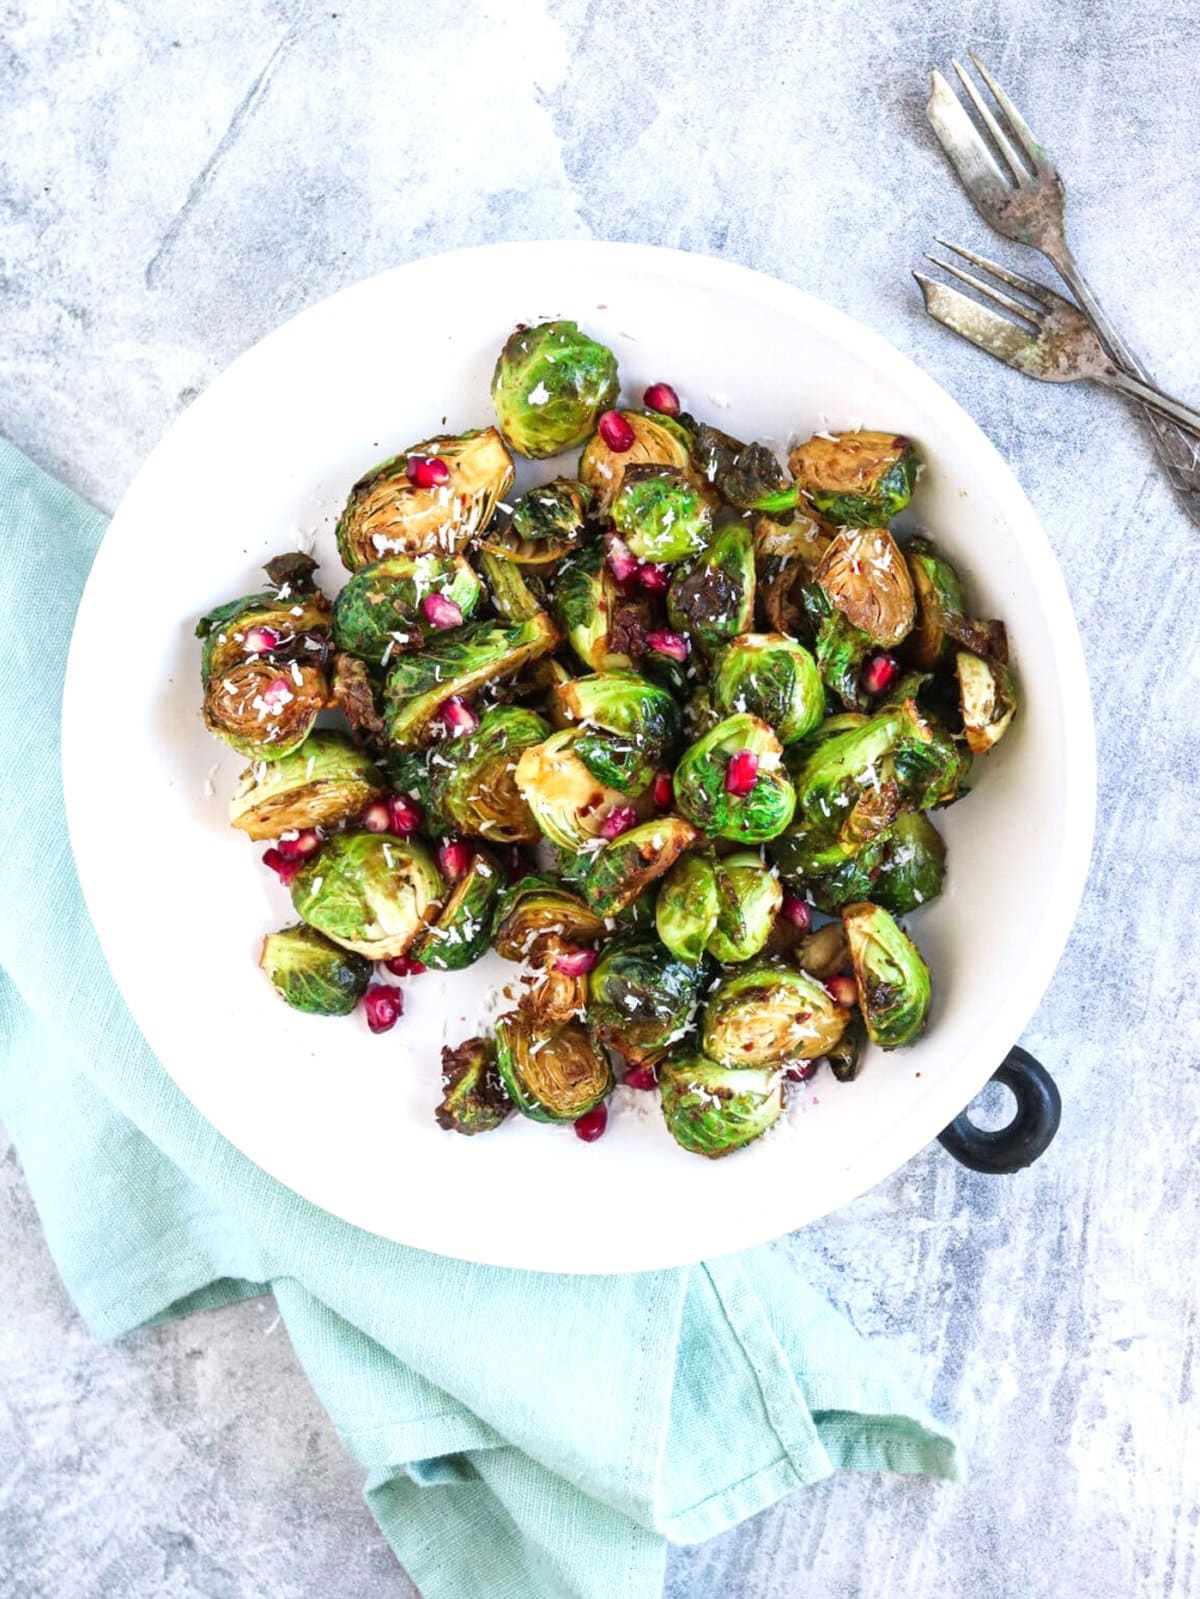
525	1435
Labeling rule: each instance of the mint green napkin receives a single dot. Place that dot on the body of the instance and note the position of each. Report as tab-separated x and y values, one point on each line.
523	1435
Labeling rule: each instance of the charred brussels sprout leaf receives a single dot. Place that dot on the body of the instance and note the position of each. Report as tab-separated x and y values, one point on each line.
748	900
941	619
711	599
867	579
388	514
312	974
536	918
604	629
703	783
323	782
378	613
568	803
769	1014
355	691
461	932
988	700
856	479
754	481
773	678
369	892
265	709
711	1109
685	913
555	511
846	1056
893	980
550	384
625	868
474	1099
642	997
515	597
658	441
660	513
473	778
554	1076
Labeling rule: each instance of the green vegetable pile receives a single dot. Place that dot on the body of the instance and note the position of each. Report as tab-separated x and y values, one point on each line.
668	733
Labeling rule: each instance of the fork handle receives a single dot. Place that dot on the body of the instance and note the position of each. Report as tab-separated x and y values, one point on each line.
1154	399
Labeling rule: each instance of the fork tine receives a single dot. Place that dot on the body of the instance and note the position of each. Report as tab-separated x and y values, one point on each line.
965	145
1037	292
1018	168
1026	312
974	322
1017	122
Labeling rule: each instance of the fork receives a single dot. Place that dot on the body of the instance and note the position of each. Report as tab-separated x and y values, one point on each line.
1057	342
1029	207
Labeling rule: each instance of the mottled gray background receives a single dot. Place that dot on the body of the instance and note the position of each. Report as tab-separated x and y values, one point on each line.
174	181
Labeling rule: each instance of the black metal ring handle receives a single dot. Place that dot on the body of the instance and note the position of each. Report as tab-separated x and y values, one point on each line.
1028	1135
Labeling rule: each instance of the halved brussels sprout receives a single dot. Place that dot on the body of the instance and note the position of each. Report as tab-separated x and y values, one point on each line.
538	557
913	867
753	480
711	598
625	868
839	648
369	892
700	715
474	1100
457	665
711	1109
285	623
557	997
748	901
473	778
604	628
555	511
265	709
773	678
554	1076
515	597
355	690
786	554
536	917
708	795
323	782
867	579
660	513
832	874
856	479
462	930
769	1014
893	980
846	1056
637	724
568	803
312	974
941	606
988	700
851	784
642	997
685	913
658	440
550	384
930	767
823	952
378	613
388	514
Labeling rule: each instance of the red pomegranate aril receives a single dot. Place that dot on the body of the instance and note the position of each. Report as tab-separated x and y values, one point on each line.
664	791
300	846
576	962
376	817
661	397
404	966
277	693
259	640
384	1006
879	673
427	471
454	857
796	911
653	578
404	814
458	716
285	870
802	1072
622	562
440	612
640	1077
619	820
663	642
843	990
591	1124
616	432
741	774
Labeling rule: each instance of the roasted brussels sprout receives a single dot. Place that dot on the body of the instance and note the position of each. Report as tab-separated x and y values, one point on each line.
474	1100
369	892
769	1014
773	678
458	665
831	874
265	709
711	598
312	973
839	648
913	867
552	1076
685	913
553	511
748	900
642	997
731	782
867	579
628	725
388	513
700	715
845	780
786	555
987	697
320	784
550	384
846	1056
893	980
568	803
536	918
941	619
287	623
605	629
379	612
660	513
823	953
856	479
625	868
515	596
473	778
753	480
462	929
658	441
711	1109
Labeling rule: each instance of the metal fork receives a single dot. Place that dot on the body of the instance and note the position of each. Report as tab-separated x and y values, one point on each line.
1053	339
1029	207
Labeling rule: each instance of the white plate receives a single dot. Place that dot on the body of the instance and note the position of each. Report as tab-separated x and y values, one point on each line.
180	902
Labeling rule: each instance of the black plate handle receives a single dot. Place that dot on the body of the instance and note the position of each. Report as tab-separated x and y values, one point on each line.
1028	1135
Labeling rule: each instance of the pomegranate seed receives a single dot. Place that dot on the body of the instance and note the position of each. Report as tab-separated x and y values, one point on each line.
285	870
843	990
259	640
879	673
663	642
458	716
384	1006
802	1072
741	774
427	471
664	791
590	1126
404	815
453	857
576	962
619	820
377	817
300	846
404	966
438	611
640	1077
616	432
622	562
796	911
661	397
277	694
653	578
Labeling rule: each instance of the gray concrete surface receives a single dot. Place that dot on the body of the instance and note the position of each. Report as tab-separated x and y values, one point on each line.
176	179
